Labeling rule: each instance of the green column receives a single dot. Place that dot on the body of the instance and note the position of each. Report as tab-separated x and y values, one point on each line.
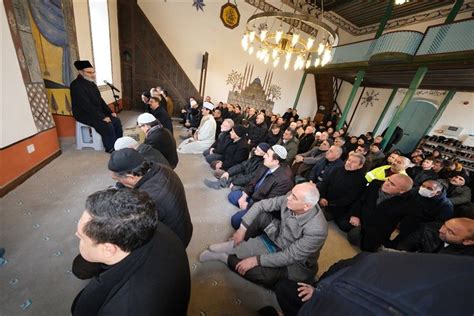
454	11
358	81
300	89
440	111
385	109
383	22
415	83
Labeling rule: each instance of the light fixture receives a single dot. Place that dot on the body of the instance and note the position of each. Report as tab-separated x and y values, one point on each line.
287	34
399	2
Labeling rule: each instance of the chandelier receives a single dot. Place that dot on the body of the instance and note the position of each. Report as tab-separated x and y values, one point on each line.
286	37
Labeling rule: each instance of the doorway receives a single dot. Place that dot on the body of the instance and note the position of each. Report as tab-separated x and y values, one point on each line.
414	121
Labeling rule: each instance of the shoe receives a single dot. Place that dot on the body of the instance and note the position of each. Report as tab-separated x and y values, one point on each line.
212	184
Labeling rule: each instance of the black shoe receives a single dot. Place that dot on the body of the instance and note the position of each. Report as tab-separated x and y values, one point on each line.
212	184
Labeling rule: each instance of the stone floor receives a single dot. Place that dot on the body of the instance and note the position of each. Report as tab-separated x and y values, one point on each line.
38	221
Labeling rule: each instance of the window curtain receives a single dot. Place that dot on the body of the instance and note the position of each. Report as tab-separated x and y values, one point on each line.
49	17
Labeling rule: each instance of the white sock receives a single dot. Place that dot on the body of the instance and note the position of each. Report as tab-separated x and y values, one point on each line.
208	255
226	247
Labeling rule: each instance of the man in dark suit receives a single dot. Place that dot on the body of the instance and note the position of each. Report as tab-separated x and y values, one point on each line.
89	108
138	265
273	179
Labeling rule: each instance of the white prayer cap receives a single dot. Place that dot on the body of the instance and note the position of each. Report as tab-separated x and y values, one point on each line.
208	105
125	142
145	118
280	151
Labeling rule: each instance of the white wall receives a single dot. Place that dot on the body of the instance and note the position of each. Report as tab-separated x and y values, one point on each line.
456	114
84	41
188	34
16	120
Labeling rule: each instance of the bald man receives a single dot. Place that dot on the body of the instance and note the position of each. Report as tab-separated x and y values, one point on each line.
453	237
381	207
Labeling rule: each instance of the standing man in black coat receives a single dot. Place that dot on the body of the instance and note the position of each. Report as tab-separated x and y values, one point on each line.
160	113
162	184
89	108
138	266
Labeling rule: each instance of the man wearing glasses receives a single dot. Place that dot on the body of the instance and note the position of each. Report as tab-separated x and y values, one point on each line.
89	108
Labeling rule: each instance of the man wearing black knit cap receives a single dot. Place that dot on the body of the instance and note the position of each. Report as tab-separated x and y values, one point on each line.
236	152
161	183
89	108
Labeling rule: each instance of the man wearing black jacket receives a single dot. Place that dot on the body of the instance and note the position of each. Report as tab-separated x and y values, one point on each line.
236	152
340	188
158	137
258	131
160	113
89	108
217	149
376	214
138	266
241	174
162	184
273	179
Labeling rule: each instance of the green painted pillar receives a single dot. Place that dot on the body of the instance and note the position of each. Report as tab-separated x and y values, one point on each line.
440	111
383	22
454	11
358	81
300	89
415	83
385	109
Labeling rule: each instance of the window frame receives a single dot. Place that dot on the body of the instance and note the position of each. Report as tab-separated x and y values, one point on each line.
102	86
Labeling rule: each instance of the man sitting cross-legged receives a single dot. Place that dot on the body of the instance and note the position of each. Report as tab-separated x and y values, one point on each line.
266	249
241	174
217	149
271	180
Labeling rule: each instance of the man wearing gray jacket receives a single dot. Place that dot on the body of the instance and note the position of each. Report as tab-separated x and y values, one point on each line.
267	248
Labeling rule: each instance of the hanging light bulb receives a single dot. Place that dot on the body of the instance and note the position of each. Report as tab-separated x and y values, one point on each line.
294	39
259	52
288	56
267	58
245	43
308	63
250	50
287	64
276	61
309	43
317	61
278	36
263	34
320	48
274	53
326	57
251	36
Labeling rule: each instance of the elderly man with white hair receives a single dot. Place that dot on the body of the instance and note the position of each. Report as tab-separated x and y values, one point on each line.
205	135
267	248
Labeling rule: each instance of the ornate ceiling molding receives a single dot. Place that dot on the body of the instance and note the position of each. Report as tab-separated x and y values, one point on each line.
357	31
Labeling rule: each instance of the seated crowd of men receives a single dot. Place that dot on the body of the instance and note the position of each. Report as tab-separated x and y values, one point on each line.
287	176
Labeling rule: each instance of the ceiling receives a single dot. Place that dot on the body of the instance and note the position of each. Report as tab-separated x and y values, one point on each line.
362	13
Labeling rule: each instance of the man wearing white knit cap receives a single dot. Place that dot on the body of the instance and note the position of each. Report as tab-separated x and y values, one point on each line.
272	179
205	135
148	152
158	137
